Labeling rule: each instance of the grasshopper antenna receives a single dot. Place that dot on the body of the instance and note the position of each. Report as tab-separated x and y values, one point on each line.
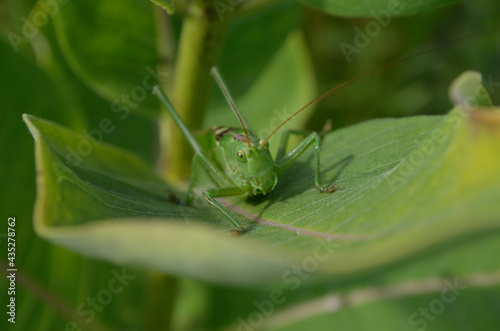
372	71
225	91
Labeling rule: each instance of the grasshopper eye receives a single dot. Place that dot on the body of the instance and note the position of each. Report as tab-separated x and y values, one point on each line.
241	156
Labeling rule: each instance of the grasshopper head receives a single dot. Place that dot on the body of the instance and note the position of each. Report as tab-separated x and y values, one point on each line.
255	165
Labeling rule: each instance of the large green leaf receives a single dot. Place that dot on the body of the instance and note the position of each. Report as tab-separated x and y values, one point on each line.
405	185
111	45
241	63
381	10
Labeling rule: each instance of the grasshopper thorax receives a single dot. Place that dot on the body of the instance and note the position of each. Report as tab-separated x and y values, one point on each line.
248	159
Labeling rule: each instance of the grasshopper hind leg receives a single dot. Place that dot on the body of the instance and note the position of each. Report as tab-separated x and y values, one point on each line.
202	157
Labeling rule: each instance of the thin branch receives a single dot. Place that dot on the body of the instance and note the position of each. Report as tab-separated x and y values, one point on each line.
335	302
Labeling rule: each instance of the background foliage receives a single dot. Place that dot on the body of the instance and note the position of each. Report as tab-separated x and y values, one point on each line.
91	53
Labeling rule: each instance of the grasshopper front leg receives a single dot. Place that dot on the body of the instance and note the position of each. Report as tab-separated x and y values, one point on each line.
211	194
218	176
284	161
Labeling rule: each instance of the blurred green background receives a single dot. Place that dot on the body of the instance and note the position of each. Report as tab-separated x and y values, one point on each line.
77	64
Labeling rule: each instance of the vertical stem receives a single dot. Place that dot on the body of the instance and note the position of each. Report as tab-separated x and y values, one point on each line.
165	43
162	290
200	43
199	46
161	298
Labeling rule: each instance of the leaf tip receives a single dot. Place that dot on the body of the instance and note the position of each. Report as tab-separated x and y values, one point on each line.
28	120
467	90
168	5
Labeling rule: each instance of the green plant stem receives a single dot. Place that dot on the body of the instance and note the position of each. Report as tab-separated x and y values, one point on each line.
165	43
199	46
162	291
162	295
200	43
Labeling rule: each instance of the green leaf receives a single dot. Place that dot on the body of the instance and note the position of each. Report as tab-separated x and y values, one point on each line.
111	45
241	63
405	185
380	10
86	190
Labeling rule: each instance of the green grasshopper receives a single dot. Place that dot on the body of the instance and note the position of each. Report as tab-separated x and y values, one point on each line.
240	163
